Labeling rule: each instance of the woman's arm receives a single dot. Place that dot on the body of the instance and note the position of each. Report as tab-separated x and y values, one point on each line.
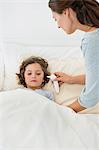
76	106
79	79
63	77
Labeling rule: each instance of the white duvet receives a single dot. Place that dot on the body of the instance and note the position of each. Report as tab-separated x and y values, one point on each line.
29	121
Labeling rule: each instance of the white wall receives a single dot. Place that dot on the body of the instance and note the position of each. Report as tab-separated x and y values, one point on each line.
30	21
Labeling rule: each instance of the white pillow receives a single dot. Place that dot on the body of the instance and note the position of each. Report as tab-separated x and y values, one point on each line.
13	55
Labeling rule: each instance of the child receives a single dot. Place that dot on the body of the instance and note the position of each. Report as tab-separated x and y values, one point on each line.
33	75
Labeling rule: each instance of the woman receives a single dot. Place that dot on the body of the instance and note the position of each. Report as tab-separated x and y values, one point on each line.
83	15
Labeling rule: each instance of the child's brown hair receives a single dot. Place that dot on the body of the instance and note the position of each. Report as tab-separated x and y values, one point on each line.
43	63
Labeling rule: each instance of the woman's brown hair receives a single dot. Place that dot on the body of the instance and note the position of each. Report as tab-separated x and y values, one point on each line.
87	11
43	63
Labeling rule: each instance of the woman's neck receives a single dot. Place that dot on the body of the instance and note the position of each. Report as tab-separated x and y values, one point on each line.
86	28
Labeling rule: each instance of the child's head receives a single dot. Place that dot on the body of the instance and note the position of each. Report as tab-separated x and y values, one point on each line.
33	73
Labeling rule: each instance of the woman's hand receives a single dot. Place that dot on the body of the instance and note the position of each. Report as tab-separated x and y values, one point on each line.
63	78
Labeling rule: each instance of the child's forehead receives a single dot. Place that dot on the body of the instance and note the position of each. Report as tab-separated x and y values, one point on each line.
34	66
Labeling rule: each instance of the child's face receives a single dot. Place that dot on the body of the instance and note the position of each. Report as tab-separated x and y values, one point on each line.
34	76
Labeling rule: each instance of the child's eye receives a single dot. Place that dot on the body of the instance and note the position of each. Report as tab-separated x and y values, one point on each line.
29	74
38	74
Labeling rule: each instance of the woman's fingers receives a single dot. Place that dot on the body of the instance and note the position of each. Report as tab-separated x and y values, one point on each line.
60	83
63	77
58	74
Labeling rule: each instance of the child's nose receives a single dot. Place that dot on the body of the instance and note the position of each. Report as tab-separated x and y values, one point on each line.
33	75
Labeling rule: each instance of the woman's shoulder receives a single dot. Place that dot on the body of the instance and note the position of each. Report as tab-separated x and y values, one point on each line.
91	39
93	34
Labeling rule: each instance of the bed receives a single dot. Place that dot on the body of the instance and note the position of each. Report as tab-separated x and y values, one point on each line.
29	121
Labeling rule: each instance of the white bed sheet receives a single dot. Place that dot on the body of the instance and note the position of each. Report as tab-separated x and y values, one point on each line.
29	121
